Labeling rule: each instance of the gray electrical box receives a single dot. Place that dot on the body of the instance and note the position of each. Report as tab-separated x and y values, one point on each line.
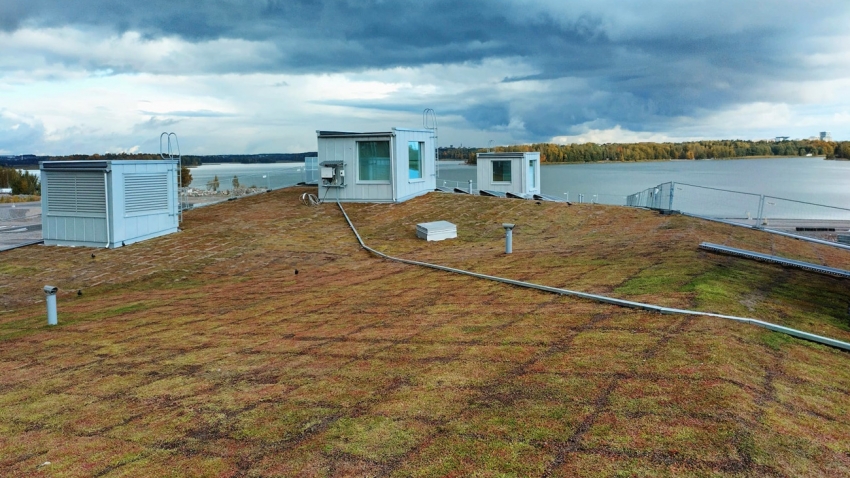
333	174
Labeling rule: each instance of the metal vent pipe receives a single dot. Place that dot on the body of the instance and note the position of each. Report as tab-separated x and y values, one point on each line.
509	237
50	295
606	300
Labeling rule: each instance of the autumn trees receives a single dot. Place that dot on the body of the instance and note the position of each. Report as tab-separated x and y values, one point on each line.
692	150
20	182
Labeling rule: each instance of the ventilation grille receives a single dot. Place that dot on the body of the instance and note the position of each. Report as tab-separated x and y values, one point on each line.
145	192
76	192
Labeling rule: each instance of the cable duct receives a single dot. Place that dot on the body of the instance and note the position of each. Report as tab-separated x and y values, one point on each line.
606	300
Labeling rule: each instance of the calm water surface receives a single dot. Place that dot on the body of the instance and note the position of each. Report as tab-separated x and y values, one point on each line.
274	175
805	179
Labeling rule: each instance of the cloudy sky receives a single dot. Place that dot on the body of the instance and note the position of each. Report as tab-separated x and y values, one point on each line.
255	76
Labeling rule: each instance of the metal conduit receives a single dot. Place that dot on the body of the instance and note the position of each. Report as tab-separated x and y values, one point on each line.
771	231
606	300
763	229
756	256
24	244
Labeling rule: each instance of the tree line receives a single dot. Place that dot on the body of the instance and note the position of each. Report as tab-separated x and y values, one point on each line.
715	149
21	183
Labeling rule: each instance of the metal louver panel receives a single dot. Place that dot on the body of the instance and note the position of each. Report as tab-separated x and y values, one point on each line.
145	192
76	192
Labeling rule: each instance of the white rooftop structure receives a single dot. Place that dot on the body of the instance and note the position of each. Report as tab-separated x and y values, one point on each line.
390	166
513	173
108	203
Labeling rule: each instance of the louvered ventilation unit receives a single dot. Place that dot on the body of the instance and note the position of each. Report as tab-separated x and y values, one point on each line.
77	192
108	203
146	192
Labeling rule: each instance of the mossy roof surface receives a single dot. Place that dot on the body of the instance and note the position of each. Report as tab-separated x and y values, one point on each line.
203	353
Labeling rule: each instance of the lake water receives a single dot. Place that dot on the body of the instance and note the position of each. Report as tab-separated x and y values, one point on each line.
804	179
274	175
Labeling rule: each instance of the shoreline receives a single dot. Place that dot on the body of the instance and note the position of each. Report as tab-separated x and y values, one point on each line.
685	160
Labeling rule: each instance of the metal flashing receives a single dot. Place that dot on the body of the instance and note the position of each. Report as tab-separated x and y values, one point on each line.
346	134
75	165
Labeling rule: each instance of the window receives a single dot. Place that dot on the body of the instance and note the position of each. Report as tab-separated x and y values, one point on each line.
373	159
501	171
532	177
414	161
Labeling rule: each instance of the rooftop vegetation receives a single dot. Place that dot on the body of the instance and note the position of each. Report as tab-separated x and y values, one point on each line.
204	353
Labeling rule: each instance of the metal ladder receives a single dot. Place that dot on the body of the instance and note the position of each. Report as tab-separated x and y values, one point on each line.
168	153
429	121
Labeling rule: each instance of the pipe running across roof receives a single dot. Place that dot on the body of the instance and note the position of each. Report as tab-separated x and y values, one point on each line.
604	299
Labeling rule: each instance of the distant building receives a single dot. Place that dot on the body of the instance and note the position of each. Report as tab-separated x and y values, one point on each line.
779	139
825	136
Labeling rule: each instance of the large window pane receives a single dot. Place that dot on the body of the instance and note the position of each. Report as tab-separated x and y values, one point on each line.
414	154
532	174
502	171
373	158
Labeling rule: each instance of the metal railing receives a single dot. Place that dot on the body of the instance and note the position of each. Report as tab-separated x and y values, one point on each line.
733	205
755	210
203	191
311	170
610	199
468	186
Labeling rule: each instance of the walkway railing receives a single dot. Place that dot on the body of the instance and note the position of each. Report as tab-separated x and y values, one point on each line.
727	204
755	210
469	186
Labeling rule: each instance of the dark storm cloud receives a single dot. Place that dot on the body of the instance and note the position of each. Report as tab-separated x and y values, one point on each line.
335	35
486	116
642	69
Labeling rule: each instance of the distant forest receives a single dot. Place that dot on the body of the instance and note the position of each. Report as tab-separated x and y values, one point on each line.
723	149
549	152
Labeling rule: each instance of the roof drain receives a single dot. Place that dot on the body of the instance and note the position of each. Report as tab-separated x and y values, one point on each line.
607	300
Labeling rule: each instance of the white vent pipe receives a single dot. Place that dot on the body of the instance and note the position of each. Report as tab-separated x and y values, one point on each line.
509	237
50	295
